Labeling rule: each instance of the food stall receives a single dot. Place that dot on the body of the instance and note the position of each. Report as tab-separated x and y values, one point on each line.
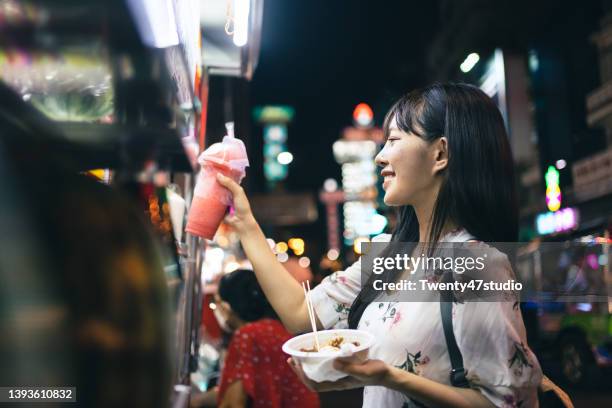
116	90
107	89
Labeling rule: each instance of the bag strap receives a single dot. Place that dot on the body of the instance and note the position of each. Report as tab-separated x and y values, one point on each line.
458	374
559	396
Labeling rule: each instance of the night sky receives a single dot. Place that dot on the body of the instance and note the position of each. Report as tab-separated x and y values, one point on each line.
323	58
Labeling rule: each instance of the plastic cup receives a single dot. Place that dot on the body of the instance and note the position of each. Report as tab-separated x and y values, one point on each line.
211	199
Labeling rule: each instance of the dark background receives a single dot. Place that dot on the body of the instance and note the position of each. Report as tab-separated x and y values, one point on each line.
323	58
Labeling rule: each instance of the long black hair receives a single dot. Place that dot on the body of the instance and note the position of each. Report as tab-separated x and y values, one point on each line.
478	189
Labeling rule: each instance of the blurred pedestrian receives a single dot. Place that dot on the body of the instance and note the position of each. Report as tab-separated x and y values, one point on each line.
103	320
255	372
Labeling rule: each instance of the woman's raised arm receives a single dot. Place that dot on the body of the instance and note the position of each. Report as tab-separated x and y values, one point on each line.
283	292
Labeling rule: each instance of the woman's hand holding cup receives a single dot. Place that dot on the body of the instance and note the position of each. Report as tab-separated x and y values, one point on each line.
242	219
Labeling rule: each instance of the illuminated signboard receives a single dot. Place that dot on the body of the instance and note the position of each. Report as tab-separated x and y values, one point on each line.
363	115
553	191
276	156
563	220
493	82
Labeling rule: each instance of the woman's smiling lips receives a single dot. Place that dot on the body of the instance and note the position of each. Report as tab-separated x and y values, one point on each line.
388	175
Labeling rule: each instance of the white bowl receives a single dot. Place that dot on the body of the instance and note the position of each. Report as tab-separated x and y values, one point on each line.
319	366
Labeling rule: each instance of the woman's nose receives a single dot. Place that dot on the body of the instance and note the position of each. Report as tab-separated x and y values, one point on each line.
380	158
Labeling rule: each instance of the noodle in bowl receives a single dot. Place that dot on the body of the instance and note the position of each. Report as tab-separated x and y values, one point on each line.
318	365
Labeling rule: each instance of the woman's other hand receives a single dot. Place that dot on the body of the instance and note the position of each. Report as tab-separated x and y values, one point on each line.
242	218
370	372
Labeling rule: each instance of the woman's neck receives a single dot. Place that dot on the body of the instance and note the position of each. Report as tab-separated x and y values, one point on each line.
424	214
236	323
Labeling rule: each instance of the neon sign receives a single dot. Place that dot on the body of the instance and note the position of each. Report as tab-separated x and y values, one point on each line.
363	115
553	191
563	220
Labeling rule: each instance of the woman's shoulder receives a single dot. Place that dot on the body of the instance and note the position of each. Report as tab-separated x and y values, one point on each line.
458	235
497	257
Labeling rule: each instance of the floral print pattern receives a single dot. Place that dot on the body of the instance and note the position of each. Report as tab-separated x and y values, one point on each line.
390	313
337	278
413	362
409	335
519	359
342	309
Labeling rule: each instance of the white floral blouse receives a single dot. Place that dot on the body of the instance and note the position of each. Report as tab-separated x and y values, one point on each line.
490	335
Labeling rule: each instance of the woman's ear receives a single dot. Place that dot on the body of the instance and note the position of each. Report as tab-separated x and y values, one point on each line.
440	155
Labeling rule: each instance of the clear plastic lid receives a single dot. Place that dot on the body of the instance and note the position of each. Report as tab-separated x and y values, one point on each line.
230	153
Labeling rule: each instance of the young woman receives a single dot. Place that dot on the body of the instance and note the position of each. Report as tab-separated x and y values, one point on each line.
447	165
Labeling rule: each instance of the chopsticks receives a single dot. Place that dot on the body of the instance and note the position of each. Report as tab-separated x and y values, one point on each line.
311	314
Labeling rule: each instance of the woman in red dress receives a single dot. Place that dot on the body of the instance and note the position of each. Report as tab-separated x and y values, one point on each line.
255	372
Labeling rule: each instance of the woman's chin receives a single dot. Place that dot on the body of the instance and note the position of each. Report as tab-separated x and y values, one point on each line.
388	199
392	199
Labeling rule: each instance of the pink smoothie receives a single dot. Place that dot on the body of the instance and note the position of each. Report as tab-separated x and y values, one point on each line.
211	199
